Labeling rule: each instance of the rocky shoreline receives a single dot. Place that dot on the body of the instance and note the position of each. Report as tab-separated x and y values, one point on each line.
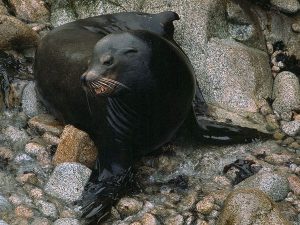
248	50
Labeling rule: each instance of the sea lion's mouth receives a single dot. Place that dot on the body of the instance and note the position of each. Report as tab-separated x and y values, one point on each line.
105	86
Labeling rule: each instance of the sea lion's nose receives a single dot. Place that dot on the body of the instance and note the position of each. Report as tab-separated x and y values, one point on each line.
88	77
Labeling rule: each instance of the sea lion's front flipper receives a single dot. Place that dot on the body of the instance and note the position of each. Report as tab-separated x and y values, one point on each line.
166	20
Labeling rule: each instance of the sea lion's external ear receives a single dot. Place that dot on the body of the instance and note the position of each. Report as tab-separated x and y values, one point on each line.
166	21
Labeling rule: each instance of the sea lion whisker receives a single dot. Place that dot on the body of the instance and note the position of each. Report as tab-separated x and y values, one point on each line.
114	82
105	84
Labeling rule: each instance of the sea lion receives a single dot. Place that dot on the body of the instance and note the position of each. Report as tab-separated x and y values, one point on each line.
131	98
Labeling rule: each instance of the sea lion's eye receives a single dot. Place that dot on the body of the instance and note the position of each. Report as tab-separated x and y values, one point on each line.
107	60
130	51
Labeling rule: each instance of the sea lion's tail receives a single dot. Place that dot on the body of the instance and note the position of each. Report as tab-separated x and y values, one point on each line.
100	195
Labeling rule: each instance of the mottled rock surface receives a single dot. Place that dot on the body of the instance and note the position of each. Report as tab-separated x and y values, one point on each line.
250	206
67	181
75	146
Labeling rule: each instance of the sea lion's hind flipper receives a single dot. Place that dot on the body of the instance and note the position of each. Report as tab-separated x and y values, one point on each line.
99	195
166	21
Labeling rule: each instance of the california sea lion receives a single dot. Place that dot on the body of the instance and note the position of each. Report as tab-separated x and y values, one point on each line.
142	86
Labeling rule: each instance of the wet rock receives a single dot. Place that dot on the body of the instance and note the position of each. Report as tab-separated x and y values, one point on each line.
47	208
286	92
294	182
66	221
275	185
75	146
67	181
2	222
206	205
41	221
45	123
30	104
16	34
14	97
18	137
286	6
34	149
188	201
250	206
23	158
60	16
30	10
3	10
174	220
6	153
129	206
236	13
5	206
51	139
291	128
296	27
24	212
149	219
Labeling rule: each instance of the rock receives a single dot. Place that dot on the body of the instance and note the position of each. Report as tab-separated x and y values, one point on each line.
75	146
275	185
3	10
221	75
66	221
291	128
236	13
60	16
294	182
67	181
6	153
250	206
205	206
286	92
286	6
14	97
34	149
47	208
30	104
129	206
41	221
45	123
2	222
22	158
188	201
24	212
30	10
5	206
16	34
174	220
296	27
149	219
18	137
30	178
50	138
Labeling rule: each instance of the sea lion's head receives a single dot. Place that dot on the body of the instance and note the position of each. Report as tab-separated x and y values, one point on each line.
120	63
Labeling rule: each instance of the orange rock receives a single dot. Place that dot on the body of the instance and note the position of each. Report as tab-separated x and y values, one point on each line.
75	146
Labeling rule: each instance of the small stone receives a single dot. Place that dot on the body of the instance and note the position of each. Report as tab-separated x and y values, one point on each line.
296	27
275	69
41	221
45	123
270	48
29	178
201	222
286	116
294	182
66	221
47	208
24	212
67	181
36	193
286	92
30	103
275	185
278	135
75	146
296	117
278	159
291	128
206	205
294	145
188	201
288	141
136	223
34	149
5	206
174	220
2	222
18	137
6	153
22	159
129	206
286	6
149	219
50	138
